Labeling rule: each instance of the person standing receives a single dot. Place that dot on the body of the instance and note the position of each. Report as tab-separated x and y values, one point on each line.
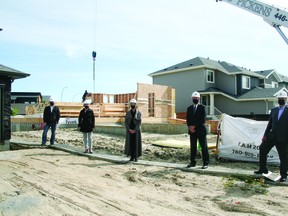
51	118
276	135
86	124
195	119
84	96
133	142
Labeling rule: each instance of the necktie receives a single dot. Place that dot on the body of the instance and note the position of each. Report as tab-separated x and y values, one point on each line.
194	109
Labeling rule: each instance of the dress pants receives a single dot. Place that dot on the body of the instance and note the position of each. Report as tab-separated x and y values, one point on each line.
282	149
133	145
193	147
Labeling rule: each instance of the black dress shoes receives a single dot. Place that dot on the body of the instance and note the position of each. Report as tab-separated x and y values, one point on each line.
131	159
283	179
191	165
205	166
135	159
260	172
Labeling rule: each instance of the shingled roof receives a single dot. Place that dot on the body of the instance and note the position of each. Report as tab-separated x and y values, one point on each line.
197	62
254	94
261	93
10	72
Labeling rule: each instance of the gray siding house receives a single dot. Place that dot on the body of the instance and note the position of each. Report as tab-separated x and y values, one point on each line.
224	87
7	76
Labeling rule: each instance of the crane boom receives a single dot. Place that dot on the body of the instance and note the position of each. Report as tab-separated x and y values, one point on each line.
273	16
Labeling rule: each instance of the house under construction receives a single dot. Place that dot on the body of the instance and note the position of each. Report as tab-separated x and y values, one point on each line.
156	103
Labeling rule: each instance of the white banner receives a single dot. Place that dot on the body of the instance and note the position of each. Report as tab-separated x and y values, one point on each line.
241	138
68	121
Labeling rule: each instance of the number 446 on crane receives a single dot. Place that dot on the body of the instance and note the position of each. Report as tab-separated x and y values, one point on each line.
273	16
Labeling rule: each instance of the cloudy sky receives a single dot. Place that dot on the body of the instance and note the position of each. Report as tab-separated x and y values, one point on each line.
53	41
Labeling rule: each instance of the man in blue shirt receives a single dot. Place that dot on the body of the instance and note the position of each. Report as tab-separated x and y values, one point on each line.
276	134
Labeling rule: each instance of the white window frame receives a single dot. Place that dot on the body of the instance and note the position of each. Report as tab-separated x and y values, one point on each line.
246	80
208	72
274	84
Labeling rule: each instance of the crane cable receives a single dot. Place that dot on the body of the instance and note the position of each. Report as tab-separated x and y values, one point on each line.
94	40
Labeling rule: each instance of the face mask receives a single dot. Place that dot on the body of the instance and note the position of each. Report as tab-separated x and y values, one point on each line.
281	101
132	106
86	107
51	103
195	101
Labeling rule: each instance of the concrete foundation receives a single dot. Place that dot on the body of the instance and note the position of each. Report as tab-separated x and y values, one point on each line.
5	145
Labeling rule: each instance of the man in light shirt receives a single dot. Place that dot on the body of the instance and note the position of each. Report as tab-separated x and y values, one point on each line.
276	134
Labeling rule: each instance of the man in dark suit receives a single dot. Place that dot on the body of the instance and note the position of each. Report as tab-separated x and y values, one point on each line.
195	118
51	118
276	134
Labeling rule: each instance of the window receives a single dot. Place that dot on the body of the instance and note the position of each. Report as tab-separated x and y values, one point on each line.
210	76
205	100
274	84
151	104
245	82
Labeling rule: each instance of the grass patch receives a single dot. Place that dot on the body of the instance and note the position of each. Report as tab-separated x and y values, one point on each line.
248	186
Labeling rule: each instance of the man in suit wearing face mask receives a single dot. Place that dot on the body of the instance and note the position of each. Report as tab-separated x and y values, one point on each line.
195	119
276	134
51	116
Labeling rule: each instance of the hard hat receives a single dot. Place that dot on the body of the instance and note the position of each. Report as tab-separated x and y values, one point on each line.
282	94
51	99
133	101
86	102
195	94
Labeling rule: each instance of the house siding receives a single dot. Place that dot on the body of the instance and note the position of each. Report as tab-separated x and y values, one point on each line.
231	107
5	106
226	92
268	82
225	82
253	83
181	82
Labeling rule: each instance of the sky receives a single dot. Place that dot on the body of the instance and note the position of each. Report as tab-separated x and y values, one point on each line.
53	41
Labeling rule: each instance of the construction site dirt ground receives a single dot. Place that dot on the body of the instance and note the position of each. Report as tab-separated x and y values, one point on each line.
46	181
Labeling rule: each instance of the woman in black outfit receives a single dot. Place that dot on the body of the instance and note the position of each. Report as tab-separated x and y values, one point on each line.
133	143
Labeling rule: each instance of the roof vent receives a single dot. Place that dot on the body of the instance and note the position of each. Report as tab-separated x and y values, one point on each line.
175	67
190	64
208	58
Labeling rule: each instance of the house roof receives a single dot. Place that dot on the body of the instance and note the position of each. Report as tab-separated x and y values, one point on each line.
261	93
15	95
254	94
10	72
200	62
284	78
265	73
